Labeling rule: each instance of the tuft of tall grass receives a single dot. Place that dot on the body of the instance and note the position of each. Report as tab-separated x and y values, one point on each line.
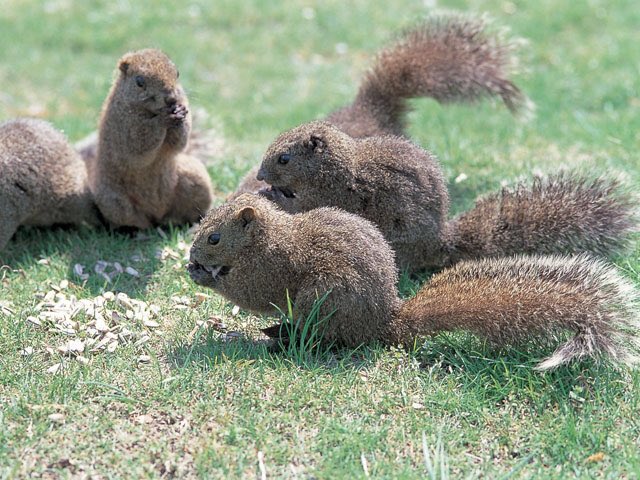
302	339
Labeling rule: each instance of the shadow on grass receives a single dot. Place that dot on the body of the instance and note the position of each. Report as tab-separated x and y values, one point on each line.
206	352
501	374
492	375
66	247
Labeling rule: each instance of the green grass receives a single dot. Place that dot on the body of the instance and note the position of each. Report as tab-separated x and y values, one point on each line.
207	402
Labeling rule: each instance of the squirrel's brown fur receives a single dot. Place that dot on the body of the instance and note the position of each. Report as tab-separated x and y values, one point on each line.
258	256
264	253
144	127
201	144
400	187
558	214
449	58
385	179
511	299
43	180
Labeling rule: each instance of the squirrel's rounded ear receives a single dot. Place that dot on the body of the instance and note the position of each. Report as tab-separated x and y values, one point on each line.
247	215
315	143
123	66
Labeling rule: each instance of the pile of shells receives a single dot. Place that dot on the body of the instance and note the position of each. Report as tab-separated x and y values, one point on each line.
96	325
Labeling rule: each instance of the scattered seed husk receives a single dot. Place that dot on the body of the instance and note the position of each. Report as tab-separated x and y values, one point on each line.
144	339
97	325
461	178
151	323
6	309
123	300
132	271
76	346
53	369
78	270
101	325
34	321
56	417
83	360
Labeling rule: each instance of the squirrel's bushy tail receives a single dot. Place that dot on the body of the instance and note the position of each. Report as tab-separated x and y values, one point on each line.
448	58
510	300
559	214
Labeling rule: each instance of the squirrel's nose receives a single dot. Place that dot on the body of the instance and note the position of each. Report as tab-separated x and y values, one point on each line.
261	174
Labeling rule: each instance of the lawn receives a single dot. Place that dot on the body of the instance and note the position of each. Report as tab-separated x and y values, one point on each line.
175	381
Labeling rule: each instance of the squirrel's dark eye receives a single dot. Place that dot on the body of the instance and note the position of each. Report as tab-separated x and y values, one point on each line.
140	81
213	239
284	159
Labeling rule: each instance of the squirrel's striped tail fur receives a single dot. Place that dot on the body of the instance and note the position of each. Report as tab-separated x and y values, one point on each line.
451	58
563	213
511	300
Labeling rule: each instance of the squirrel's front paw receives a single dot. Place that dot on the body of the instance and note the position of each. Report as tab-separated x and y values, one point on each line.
177	113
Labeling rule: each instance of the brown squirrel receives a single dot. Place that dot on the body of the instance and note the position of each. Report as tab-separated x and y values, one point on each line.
258	257
447	58
140	177
401	188
43	181
200	144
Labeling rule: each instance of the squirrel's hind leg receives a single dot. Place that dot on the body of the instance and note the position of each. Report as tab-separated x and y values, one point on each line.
193	193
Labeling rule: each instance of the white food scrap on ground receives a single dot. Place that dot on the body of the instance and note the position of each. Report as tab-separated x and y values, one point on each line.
106	270
93	326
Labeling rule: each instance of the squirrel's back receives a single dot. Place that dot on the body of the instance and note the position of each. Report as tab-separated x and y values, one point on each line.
43	180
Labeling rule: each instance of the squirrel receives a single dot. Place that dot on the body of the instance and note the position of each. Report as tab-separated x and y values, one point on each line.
43	181
140	177
200	144
258	256
448	58
401	188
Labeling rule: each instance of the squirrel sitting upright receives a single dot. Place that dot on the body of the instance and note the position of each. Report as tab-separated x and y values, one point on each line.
43	180
259	257
400	188
140	177
449	58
